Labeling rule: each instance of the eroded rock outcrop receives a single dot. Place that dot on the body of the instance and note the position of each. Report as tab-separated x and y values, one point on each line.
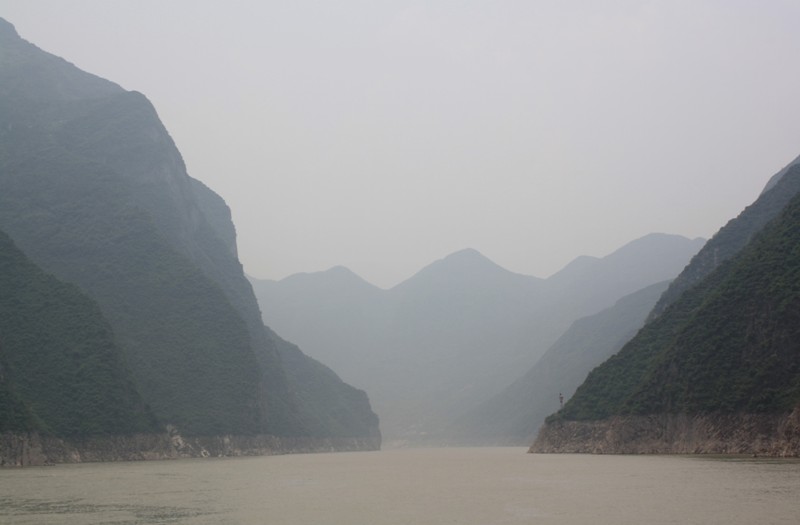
759	434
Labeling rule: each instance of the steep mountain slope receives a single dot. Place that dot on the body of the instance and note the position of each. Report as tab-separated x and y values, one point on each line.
456	333
778	176
734	236
61	371
728	347
95	192
513	416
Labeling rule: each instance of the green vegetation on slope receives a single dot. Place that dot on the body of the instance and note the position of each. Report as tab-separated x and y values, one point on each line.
61	370
734	236
729	344
187	347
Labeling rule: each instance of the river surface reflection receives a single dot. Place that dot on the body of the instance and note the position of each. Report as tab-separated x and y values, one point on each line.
474	486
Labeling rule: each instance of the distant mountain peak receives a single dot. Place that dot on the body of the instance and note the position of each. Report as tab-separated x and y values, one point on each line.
464	267
663	241
337	271
336	277
467	256
340	270
466	260
466	252
652	257
345	274
579	263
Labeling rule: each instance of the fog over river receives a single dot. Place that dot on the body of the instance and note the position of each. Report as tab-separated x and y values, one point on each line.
475	486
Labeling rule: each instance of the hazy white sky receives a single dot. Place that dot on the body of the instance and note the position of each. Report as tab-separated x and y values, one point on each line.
382	135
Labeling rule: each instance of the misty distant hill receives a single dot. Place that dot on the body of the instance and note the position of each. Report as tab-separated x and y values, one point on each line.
339	311
513	416
457	332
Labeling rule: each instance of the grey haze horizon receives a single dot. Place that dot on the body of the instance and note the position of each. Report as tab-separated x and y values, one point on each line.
468	250
384	136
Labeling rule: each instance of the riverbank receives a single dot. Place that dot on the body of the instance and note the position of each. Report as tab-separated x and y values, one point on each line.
33	449
751	434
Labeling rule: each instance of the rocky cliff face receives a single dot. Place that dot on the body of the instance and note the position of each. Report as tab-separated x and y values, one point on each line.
95	192
759	434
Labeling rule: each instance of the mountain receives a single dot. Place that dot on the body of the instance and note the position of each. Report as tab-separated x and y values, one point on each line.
718	370
333	311
61	371
630	268
734	236
457	329
96	193
513	416
457	332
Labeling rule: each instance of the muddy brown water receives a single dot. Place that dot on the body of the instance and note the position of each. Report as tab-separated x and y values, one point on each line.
474	486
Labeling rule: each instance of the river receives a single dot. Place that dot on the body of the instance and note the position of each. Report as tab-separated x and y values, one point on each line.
471	486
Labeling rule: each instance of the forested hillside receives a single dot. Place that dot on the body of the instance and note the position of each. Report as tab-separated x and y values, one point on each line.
734	236
729	345
61	370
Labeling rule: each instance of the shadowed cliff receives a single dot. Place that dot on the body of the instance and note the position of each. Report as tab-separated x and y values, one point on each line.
96	193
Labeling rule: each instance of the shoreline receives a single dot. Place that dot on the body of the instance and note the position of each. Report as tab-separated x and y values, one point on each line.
19	450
